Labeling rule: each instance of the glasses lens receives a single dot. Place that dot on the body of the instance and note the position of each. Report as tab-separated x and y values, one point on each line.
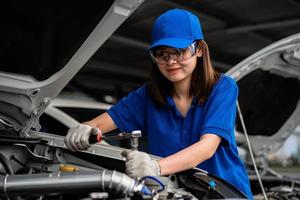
187	53
162	55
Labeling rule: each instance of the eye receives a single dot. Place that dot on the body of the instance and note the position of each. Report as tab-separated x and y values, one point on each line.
183	51
159	53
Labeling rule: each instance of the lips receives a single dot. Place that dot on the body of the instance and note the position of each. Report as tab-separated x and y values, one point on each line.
173	69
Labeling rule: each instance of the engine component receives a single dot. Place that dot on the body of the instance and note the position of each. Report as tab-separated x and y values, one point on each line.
116	183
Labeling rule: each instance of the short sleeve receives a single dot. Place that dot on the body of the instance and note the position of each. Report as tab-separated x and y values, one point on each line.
129	113
220	114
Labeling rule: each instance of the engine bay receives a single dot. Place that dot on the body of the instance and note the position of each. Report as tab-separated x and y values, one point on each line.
37	168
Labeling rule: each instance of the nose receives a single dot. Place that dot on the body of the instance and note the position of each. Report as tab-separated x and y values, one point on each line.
171	60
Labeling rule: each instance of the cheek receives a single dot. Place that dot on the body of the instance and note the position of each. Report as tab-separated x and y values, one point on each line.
194	64
191	65
194	61
162	70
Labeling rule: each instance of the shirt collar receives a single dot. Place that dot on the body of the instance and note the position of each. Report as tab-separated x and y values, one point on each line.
170	102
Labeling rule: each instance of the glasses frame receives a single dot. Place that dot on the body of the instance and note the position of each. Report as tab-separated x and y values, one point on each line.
192	47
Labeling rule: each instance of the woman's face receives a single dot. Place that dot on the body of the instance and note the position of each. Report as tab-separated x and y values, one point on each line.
174	69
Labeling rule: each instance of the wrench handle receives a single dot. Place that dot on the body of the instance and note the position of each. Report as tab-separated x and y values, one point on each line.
95	138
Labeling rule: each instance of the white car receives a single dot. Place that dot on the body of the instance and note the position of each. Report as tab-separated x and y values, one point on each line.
269	101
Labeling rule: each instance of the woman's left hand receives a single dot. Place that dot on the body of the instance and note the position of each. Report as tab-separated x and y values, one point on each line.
140	164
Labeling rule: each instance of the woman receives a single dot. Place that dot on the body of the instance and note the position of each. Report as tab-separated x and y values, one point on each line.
187	111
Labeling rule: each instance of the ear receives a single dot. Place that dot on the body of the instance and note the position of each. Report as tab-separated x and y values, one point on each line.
199	52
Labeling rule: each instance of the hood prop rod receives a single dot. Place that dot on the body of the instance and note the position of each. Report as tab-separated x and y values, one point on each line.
250	150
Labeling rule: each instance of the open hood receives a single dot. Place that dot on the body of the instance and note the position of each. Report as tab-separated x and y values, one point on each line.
47	43
269	98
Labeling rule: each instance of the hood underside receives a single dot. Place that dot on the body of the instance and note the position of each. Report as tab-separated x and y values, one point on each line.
267	101
269	94
46	45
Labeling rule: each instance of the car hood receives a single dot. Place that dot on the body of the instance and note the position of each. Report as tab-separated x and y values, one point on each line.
269	93
31	75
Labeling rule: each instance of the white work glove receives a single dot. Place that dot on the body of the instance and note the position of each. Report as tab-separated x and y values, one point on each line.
78	137
140	164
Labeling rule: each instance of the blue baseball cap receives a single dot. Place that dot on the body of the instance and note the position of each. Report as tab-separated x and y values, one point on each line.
176	28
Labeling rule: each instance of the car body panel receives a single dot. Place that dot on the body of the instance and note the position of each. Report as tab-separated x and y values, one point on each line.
28	98
54	109
280	61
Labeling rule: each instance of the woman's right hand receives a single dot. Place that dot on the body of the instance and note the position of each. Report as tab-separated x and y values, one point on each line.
78	137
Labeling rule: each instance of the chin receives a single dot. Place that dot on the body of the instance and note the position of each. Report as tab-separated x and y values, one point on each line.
174	79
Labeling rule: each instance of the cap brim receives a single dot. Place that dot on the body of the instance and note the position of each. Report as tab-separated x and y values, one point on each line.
172	42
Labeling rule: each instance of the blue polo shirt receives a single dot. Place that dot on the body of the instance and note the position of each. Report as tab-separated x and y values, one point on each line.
168	131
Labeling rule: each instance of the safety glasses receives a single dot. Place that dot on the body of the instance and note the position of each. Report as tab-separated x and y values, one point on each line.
162	55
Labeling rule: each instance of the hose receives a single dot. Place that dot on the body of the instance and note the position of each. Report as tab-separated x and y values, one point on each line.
6	164
116	183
